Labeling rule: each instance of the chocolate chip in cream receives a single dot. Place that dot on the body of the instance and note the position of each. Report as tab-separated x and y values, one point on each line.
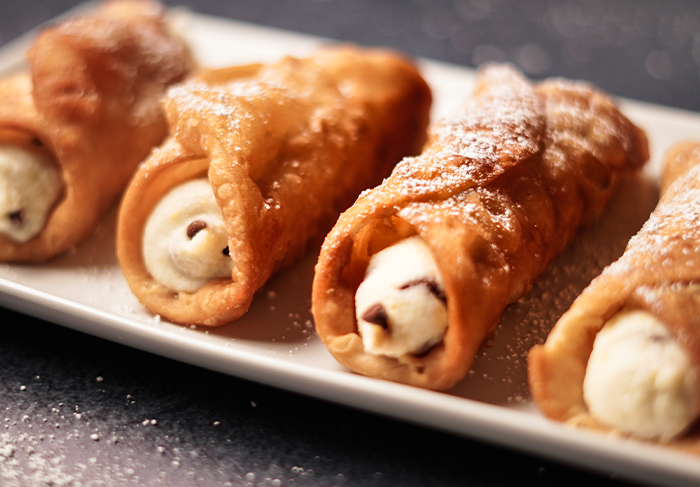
17	218
195	227
430	284
376	314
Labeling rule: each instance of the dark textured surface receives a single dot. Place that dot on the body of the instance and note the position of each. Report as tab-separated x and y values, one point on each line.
642	49
77	410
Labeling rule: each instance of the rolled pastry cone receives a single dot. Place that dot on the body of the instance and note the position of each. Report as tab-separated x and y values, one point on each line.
659	273
286	147
498	191
90	103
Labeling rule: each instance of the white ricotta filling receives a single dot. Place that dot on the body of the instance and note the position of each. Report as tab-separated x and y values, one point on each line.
185	243
400	305
30	184
639	379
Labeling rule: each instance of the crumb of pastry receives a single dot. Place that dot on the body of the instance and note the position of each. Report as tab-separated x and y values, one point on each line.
400	305
639	379
185	243
30	184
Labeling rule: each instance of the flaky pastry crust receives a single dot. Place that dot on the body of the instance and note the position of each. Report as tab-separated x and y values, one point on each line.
498	191
659	272
286	148
91	101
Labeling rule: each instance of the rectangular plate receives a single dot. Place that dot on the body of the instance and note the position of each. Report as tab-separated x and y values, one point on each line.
274	343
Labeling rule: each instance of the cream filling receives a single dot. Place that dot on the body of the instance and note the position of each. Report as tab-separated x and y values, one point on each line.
400	304
185	243
639	379
30	184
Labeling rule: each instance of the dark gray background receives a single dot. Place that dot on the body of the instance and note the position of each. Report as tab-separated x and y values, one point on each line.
77	410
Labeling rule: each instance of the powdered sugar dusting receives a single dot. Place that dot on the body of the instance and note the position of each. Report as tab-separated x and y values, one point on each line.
25	463
125	41
499	373
671	234
498	128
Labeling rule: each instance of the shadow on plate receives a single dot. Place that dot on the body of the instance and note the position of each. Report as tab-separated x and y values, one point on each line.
499	373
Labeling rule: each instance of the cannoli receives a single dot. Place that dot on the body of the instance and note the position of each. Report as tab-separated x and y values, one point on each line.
260	162
625	358
416	274
75	124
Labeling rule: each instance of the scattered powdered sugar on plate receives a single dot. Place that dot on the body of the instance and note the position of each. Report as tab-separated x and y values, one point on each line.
136	314
24	464
499	372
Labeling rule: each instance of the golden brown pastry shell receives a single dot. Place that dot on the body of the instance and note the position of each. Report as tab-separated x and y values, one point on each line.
498	191
659	273
286	148
91	101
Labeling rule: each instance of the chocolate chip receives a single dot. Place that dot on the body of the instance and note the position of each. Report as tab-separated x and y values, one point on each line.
36	142
376	314
226	252
430	284
17	218
195	227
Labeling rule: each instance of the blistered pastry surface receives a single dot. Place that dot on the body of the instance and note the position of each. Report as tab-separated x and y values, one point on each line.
91	99
286	147
492	221
658	273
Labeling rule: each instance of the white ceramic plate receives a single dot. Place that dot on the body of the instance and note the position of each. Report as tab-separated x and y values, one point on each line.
275	342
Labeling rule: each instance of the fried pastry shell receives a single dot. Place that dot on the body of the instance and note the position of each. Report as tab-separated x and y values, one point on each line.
659	273
497	193
286	148
90	100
